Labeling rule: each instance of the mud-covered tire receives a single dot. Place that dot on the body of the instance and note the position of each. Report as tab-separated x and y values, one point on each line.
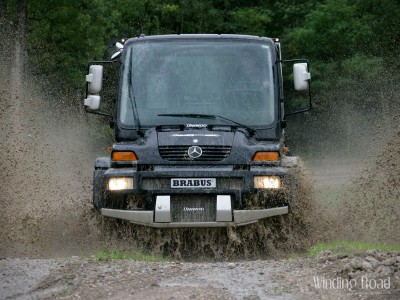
98	190
99	196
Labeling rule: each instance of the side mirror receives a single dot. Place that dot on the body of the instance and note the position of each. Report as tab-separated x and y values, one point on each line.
95	79
94	82
92	102
301	76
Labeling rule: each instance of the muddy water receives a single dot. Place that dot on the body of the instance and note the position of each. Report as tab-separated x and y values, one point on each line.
358	196
372	202
46	168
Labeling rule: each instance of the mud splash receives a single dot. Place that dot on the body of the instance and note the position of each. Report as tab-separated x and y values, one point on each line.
45	168
357	186
273	237
372	211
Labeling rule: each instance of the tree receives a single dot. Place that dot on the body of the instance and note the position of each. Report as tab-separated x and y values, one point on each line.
383	18
333	30
65	35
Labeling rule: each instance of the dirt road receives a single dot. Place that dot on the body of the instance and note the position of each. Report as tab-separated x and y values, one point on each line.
326	277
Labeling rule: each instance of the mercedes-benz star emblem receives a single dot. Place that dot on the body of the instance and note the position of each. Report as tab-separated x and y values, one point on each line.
195	152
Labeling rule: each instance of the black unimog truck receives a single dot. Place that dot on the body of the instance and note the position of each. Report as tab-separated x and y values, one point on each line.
199	130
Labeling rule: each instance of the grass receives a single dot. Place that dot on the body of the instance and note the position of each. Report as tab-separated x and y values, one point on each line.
344	247
108	255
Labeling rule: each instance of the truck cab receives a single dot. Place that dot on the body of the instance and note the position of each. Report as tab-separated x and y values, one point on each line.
199	129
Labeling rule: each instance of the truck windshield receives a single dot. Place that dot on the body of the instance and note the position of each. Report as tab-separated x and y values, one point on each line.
227	78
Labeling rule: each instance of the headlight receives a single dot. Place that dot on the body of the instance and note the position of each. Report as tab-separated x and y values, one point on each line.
267	182
120	183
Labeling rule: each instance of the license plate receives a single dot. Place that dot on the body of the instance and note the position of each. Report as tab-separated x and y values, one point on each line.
181	183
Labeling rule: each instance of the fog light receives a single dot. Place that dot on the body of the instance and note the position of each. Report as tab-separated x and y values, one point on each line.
120	183
267	182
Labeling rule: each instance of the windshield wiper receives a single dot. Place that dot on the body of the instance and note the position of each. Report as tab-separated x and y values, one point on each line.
132	99
212	117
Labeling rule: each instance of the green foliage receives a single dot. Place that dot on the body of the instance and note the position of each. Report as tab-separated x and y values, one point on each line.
107	255
334	29
361	68
349	248
383	18
251	20
64	36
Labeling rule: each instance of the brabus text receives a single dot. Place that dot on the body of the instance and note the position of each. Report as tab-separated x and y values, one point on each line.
193	183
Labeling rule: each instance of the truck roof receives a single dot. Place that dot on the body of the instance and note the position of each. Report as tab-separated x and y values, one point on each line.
199	37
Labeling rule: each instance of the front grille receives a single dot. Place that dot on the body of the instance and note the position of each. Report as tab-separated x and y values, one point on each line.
180	153
193	208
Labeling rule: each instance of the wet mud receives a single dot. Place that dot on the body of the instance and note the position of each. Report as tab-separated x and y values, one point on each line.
45	167
372	212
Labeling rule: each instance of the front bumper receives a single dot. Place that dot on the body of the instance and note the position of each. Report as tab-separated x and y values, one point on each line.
240	218
231	187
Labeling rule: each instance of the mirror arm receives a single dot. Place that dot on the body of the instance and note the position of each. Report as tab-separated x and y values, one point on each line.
100	113
309	87
306	109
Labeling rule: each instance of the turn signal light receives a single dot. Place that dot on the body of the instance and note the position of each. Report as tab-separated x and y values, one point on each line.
124	156
266	156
